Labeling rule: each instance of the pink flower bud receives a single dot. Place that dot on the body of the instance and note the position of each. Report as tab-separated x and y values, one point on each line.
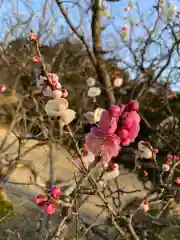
169	156
145	174
115	111
56	192
36	59
49	208
40	200
2	87
64	93
33	36
156	150
145	205
178	181
176	158
165	167
133	105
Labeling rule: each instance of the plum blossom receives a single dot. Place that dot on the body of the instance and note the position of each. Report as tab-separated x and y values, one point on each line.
48	201
57	94
145	151
145	205
66	117
36	59
87	158
112	173
118	126
94	92
94	117
118	82
165	167
89	116
90	82
102	141
55	107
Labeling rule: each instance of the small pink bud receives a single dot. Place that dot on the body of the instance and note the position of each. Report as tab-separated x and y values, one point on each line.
113	166
178	181
64	93
165	167
133	105
156	150
33	36
170	156
56	192
145	174
36	59
115	111
49	208
2	87
145	205
176	158
40	200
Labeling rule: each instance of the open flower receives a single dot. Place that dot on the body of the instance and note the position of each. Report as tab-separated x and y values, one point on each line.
166	167
97	114
87	158
102	141
111	174
94	92
48	202
55	107
145	151
89	116
90	82
66	117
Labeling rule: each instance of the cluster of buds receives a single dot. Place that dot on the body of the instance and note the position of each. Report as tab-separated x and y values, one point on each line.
49	202
169	163
57	107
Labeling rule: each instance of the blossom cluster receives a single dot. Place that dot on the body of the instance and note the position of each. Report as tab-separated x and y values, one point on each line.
57	107
49	202
118	127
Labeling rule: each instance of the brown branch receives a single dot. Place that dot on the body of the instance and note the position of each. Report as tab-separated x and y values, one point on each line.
102	71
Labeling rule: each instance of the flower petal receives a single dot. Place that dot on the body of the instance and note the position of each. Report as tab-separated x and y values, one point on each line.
56	106
49	208
40	200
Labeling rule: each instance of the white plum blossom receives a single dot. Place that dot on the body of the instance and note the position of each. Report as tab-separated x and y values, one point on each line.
47	91
97	114
94	92
89	116
55	107
107	176
90	82
66	117
145	151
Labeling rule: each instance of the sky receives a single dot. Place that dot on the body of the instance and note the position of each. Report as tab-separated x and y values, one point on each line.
29	12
